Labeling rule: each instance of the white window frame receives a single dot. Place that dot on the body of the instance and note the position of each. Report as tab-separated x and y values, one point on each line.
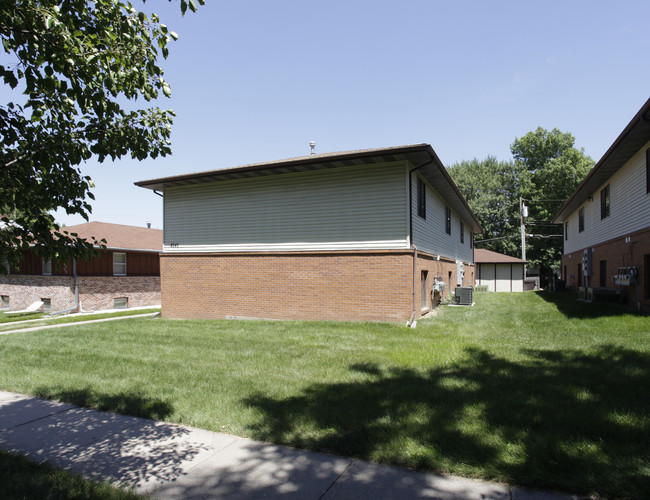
118	266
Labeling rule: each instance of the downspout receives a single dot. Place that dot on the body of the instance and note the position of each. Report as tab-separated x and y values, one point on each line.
411	323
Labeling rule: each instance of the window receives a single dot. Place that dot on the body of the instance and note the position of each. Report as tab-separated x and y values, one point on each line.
566	230
47	267
462	232
581	220
422	199
5	302
119	264
447	220
604	202
47	304
120	303
646	270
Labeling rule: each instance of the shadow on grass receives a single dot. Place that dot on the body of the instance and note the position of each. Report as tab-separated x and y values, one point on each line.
569	305
566	420
125	403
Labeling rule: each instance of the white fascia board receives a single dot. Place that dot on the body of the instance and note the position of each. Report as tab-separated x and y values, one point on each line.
290	247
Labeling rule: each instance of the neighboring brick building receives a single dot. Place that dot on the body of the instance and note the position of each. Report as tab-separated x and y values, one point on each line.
343	236
125	274
607	221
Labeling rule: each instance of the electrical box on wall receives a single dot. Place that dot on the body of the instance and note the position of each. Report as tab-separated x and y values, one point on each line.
460	272
626	276
586	262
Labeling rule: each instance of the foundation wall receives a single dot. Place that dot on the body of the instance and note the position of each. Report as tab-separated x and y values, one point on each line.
95	293
343	286
629	250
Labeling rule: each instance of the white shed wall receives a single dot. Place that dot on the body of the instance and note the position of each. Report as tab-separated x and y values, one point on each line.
501	277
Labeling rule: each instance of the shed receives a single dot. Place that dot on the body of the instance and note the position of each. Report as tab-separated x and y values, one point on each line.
499	272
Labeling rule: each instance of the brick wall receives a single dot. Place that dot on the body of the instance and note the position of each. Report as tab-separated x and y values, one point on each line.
368	286
24	290
94	292
99	292
616	253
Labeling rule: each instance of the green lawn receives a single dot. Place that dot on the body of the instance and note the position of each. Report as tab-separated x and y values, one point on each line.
531	389
10	322
23	479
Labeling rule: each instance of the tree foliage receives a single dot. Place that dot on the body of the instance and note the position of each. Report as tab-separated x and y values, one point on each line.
491	189
77	68
545	170
554	169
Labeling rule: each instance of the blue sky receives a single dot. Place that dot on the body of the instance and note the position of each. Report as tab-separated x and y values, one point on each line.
257	80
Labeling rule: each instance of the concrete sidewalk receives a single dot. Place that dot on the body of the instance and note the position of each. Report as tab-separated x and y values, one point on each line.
175	461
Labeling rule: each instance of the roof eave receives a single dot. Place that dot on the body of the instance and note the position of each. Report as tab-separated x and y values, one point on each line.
634	136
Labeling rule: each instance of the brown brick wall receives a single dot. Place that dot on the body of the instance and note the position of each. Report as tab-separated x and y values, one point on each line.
94	292
24	290
99	292
368	286
616	253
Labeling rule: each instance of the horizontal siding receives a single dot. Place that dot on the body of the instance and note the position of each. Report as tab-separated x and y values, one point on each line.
629	208
313	209
429	234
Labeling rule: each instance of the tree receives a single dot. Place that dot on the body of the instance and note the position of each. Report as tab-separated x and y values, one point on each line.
491	189
545	171
77	68
554	169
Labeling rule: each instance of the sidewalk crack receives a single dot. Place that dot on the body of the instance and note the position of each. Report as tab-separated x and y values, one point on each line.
336	480
37	419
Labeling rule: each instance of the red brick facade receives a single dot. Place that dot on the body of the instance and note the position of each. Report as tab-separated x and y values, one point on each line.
95	292
355	286
609	256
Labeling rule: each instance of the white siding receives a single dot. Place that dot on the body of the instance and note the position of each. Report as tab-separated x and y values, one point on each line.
629	208
486	274
501	277
517	277
429	234
345	208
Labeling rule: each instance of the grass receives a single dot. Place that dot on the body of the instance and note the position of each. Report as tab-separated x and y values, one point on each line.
23	478
26	316
8	323
533	389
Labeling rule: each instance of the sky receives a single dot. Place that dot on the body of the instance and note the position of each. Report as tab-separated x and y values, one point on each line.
254	81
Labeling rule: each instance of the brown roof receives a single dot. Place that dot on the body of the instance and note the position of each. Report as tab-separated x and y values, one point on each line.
422	156
119	236
483	256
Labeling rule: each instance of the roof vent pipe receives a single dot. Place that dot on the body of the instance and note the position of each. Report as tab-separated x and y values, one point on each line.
312	145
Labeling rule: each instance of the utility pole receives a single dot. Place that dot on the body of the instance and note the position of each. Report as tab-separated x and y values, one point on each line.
523	212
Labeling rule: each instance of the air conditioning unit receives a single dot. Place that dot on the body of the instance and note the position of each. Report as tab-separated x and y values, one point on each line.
464	295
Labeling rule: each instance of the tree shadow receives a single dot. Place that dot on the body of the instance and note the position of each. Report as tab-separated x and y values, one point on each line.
569	420
568	304
125	403
133	451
